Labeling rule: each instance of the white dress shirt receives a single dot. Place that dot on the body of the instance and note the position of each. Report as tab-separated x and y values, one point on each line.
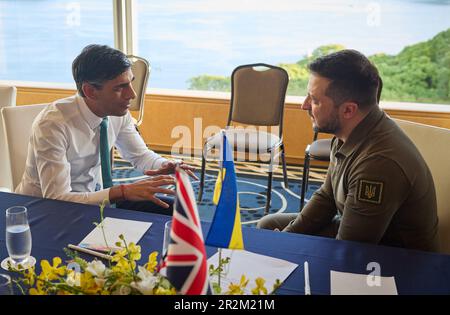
63	159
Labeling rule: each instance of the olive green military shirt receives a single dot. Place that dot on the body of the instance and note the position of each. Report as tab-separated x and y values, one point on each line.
379	187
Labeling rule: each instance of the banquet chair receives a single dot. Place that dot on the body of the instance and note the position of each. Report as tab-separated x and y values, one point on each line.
258	93
17	122
141	71
7	98
318	149
433	144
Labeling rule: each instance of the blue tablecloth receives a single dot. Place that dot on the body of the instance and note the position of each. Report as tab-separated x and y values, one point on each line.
55	224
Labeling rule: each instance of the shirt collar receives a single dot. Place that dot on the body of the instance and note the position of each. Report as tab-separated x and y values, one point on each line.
360	132
92	120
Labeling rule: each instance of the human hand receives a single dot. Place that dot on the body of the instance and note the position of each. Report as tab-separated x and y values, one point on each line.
168	167
147	188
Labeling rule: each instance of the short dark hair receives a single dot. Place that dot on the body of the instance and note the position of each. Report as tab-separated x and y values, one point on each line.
97	64
353	77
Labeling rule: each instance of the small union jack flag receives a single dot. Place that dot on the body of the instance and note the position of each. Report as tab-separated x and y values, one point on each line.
185	263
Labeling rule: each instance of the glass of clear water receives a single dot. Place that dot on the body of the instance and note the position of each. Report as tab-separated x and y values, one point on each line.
18	235
5	285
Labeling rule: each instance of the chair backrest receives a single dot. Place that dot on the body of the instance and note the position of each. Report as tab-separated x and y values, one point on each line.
7	98
17	122
434	145
7	95
141	71
258	92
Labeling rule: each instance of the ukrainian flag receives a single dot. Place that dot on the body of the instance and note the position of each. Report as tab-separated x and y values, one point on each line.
226	230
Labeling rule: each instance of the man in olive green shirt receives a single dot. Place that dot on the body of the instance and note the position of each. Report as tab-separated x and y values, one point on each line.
378	188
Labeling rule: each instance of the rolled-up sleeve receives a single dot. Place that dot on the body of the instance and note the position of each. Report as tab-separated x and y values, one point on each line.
317	213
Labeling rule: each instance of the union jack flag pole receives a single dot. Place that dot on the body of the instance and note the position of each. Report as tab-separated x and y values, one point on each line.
185	262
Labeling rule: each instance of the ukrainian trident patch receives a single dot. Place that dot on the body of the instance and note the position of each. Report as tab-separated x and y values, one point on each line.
370	191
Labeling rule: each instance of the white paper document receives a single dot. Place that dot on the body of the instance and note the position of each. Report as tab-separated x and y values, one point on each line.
345	283
251	265
131	230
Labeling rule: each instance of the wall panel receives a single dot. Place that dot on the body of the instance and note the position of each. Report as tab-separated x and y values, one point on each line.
165	114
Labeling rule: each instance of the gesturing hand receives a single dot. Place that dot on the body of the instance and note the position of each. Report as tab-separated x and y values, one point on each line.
147	188
168	167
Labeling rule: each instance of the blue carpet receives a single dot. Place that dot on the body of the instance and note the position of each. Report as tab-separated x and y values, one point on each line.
252	197
251	187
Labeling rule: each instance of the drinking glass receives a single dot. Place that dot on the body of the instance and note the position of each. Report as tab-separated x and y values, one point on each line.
18	235
5	285
166	241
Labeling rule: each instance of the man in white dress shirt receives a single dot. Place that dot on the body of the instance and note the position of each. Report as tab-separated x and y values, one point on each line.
63	159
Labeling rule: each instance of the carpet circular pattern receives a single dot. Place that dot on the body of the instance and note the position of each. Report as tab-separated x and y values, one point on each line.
251	188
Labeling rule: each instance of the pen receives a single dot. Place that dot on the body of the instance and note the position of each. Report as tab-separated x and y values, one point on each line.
90	252
307	287
99	248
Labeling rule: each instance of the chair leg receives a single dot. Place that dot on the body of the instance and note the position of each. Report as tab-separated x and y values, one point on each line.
268	193
111	156
202	180
304	180
283	161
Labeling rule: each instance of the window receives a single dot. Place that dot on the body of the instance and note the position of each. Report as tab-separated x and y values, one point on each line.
196	44
40	39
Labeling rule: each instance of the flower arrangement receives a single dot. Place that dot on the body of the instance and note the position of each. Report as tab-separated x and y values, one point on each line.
122	275
237	288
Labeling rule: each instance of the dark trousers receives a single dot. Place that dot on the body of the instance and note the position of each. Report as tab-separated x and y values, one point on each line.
148	206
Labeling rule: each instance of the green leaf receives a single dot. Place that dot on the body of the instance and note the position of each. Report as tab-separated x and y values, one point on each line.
216	288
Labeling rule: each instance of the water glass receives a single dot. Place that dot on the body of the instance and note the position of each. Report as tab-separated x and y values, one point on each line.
166	241
18	235
5	285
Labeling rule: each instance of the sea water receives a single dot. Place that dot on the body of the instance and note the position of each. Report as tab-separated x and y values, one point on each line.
40	39
18	242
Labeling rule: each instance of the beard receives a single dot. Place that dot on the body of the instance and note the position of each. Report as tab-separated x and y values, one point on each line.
331	126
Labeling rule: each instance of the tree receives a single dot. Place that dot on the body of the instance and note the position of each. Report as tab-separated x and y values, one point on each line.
419	73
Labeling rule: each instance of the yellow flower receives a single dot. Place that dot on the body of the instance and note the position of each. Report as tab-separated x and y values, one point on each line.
120	254
134	251
260	288
30	276
53	272
34	291
164	291
152	262
237	288
40	288
123	266
88	284
126	258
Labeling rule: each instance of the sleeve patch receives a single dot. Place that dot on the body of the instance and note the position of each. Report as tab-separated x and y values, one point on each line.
370	191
